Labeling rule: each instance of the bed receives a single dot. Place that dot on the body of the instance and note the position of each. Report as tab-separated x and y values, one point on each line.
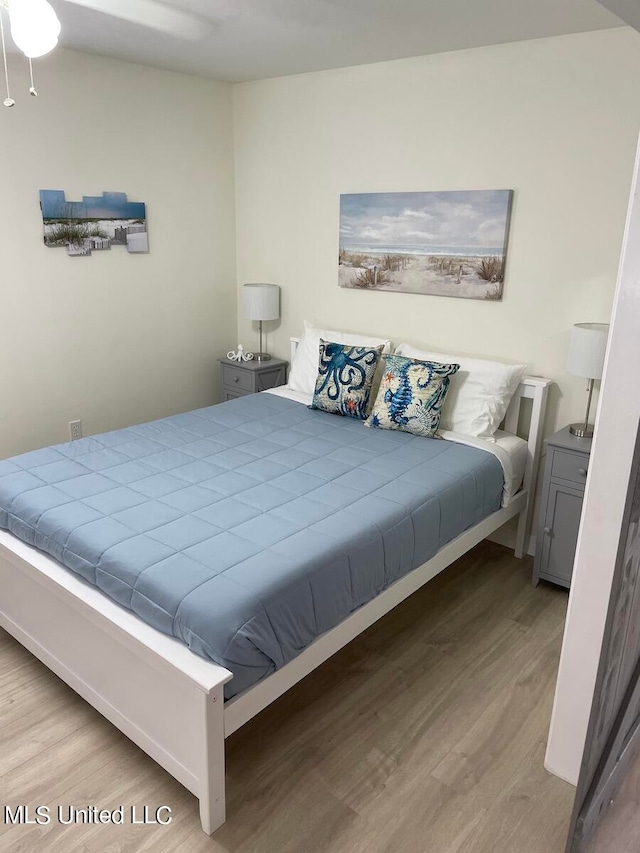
327	526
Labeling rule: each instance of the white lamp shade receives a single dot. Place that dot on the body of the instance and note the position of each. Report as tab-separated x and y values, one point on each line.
34	26
587	349
261	301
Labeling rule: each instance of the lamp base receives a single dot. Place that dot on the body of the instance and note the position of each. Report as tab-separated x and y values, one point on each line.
581	430
261	356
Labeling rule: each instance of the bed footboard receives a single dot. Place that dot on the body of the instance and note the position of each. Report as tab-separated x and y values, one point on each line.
158	693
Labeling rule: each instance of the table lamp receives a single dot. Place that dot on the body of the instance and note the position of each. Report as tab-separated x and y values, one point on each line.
261	302
586	358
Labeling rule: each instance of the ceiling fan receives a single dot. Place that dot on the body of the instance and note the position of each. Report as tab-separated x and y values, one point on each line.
35	27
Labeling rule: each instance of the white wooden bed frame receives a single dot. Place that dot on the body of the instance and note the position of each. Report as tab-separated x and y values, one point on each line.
162	696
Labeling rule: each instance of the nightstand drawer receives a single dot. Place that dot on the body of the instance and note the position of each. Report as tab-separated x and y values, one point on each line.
236	378
570	466
251	377
232	395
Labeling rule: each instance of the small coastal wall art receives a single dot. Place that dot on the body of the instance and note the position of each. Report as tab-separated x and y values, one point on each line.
94	224
437	243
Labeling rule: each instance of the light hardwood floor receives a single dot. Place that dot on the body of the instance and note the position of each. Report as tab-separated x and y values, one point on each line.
425	735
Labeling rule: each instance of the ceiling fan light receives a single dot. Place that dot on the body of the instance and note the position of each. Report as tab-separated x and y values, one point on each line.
34	26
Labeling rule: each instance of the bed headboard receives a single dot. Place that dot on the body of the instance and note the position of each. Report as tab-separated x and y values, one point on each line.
529	424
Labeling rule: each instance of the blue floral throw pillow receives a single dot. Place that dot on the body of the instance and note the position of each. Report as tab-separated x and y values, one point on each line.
345	375
411	395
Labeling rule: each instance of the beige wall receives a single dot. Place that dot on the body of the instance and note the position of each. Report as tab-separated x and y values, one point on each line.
113	339
554	119
117	339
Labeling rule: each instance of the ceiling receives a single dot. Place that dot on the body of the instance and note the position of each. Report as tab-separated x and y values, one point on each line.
256	39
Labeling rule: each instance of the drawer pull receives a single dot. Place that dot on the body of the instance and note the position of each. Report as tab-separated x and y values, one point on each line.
237	379
582	471
547	531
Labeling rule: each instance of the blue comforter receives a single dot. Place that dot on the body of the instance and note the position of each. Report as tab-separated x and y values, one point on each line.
249	528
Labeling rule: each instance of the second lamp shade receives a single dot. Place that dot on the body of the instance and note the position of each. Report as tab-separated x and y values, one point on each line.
261	301
587	349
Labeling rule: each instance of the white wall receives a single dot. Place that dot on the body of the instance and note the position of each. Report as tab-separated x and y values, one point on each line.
114	338
555	119
598	540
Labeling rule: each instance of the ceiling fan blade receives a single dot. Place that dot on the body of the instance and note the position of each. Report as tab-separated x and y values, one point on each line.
151	13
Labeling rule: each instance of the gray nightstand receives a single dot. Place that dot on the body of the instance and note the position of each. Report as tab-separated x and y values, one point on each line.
565	474
249	377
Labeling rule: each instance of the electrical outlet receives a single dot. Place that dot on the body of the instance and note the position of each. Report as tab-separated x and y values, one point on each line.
75	430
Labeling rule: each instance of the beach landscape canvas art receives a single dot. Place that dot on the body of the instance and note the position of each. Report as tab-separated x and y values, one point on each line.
437	243
94	224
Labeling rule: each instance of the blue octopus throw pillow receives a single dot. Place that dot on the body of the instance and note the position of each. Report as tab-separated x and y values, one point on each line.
345	376
411	395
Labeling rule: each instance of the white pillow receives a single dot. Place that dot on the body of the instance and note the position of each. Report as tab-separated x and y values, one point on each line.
479	394
304	370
